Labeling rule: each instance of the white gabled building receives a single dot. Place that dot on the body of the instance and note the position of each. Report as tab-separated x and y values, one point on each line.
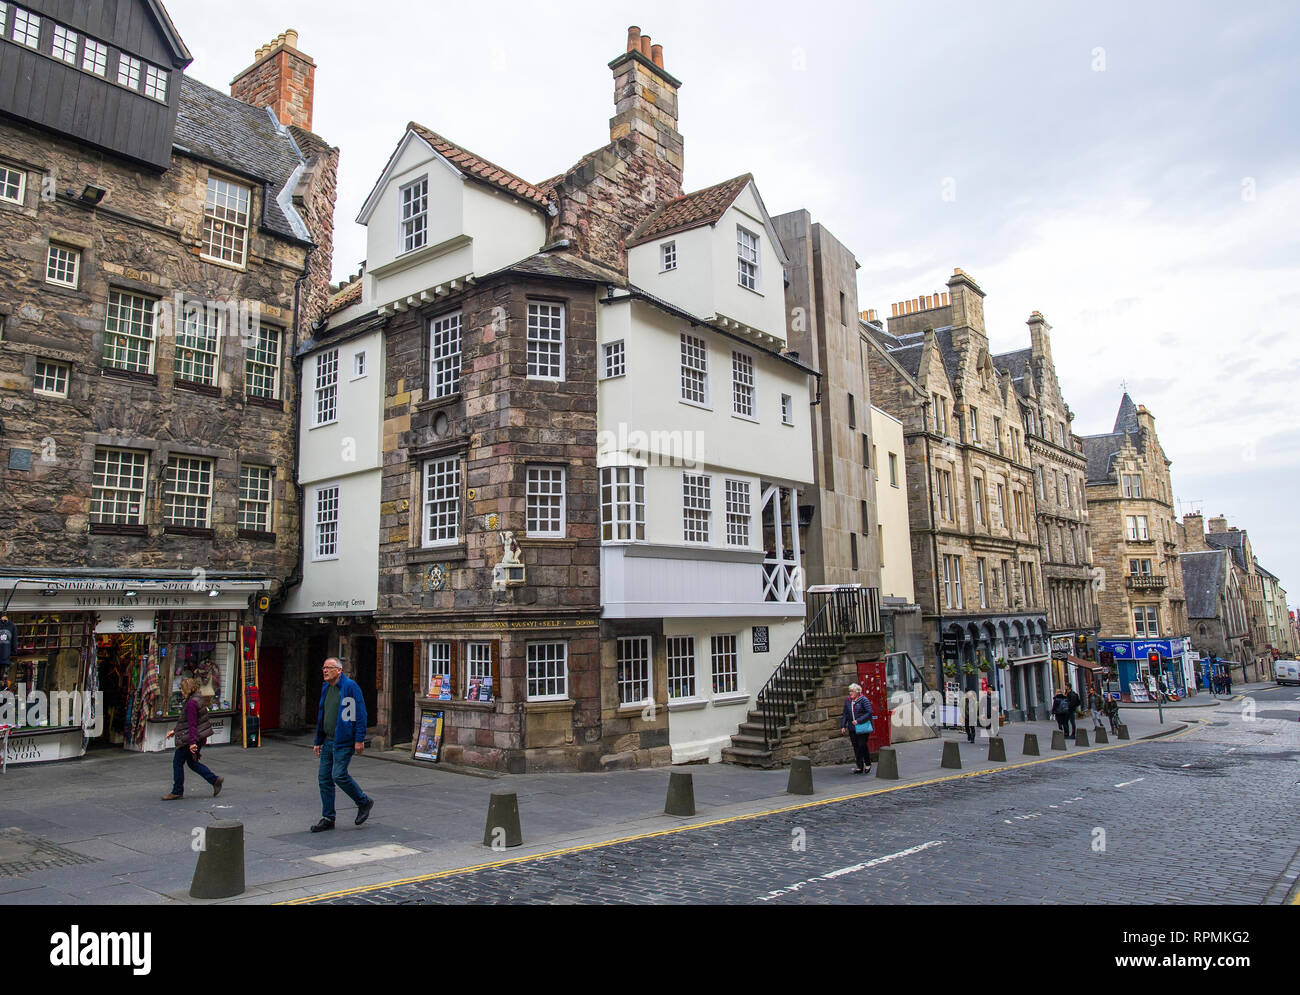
703	447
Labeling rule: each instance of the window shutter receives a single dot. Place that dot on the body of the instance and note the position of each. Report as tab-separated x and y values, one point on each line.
421	651
455	670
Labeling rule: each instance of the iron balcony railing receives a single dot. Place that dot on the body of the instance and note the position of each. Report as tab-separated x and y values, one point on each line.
836	615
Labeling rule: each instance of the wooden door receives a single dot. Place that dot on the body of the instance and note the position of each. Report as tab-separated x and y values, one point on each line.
401	717
270	671
871	675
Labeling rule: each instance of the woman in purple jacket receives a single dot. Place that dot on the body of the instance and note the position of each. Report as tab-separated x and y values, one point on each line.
192	731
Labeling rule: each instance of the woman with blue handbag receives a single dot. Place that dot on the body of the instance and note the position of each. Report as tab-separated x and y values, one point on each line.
857	723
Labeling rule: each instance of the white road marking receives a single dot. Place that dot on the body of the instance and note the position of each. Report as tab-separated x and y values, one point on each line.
1125	784
345	858
1186	765
852	869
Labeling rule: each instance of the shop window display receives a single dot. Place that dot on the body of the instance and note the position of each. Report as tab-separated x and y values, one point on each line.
202	645
46	668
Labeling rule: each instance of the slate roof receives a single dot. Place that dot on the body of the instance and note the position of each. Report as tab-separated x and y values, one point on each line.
1020	365
1099	450
217	128
1203	578
1232	541
565	265
478	168
1127	419
690	210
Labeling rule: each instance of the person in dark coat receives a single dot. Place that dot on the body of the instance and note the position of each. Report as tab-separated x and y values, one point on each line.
1061	710
192	731
1075	701
970	714
857	709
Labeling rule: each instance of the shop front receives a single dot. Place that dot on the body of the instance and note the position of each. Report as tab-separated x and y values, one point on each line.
1139	678
98	661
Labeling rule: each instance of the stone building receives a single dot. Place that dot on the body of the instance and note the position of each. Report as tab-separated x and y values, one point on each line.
164	246
1216	608
1255	657
976	561
1135	541
1059	502
1281	639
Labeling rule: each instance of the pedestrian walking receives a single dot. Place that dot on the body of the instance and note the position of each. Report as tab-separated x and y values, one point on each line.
857	723
1075	701
1096	706
969	714
340	734
1061	710
191	732
1227	680
1112	712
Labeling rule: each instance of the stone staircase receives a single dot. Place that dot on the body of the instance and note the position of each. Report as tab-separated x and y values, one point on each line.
798	711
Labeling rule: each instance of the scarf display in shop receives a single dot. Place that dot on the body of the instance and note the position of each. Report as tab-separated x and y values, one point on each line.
146	693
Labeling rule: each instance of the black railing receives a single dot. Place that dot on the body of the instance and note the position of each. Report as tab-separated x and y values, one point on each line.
836	615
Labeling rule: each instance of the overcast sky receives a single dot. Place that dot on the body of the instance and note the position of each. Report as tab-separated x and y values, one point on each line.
1130	170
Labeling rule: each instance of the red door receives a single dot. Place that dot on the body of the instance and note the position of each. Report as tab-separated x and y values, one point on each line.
871	675
270	665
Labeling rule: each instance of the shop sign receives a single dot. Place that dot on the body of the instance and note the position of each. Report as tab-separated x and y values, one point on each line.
428	741
761	639
1061	647
951	642
27	749
1122	649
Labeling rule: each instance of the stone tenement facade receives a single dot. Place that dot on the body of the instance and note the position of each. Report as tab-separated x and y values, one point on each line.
1134	533
499	422
1060	504
1254	654
975	547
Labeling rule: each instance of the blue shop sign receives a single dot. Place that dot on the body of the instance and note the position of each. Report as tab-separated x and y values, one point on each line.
1122	650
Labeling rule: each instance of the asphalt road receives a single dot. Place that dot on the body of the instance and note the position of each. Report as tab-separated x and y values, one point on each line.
1204	817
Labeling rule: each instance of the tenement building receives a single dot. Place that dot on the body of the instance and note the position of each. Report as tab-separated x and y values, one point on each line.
164	245
591	445
1141	604
1216	607
975	548
1060	505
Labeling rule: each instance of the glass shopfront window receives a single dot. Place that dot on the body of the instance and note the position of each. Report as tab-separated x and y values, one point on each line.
47	666
202	645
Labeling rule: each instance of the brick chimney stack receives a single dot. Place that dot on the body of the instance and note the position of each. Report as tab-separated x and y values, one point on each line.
281	78
645	104
1218	524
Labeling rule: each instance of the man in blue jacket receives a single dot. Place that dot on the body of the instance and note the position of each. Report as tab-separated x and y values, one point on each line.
340	732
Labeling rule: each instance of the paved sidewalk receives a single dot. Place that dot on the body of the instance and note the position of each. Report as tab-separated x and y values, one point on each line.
106	808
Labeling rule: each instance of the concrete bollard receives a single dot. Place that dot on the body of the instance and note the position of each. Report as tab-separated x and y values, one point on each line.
887	763
1102	736
997	750
1081	737
1058	739
503	827
220	870
951	755
1031	745
801	780
681	794
1123	731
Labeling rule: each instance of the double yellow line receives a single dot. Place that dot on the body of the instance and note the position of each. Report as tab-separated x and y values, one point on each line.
438	875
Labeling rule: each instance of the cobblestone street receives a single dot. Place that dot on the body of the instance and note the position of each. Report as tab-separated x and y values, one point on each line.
1150	824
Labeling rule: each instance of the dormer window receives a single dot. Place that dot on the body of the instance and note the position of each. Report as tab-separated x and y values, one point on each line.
746	258
225	222
128	72
667	256
27	28
415	215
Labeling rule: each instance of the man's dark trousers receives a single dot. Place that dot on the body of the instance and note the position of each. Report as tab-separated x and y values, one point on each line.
334	760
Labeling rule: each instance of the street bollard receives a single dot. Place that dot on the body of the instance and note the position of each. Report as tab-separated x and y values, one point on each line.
951	756
1123	731
997	750
1031	745
1058	739
1081	737
801	780
1102	736
681	794
503	821
219	872
887	764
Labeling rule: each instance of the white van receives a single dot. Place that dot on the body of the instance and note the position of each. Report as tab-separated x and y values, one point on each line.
1286	672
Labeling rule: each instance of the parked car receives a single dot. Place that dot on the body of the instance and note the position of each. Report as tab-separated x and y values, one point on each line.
1286	672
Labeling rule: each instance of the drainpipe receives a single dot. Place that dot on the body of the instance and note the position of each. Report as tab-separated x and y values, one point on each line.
934	550
295	576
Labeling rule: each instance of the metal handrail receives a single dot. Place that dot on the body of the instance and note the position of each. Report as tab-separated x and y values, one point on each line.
844	612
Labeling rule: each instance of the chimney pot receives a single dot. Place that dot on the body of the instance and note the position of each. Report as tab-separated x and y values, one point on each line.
634	39
291	38
657	55
645	46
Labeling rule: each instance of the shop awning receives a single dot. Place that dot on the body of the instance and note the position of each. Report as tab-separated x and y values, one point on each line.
1085	664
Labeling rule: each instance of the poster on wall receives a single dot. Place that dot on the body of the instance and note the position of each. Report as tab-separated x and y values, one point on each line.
428	741
480	689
